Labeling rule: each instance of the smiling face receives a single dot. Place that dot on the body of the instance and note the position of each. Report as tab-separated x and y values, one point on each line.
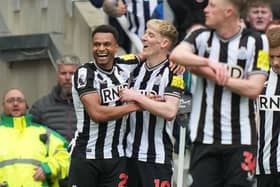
159	38
104	48
151	40
14	103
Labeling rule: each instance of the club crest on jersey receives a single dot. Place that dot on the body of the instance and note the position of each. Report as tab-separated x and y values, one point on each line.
242	53
111	94
269	102
124	75
82	75
157	80
235	71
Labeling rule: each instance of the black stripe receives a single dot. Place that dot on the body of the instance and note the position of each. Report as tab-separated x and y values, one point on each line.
138	133
235	99
261	141
151	134
168	146
201	122
139	117
102	129
275	136
136	21
202	117
217	96
146	7
83	137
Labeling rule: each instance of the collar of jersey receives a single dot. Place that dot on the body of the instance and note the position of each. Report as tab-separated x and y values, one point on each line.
104	70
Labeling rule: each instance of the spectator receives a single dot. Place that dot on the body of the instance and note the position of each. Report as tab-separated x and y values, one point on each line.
268	165
31	154
115	9
97	155
187	13
276	10
222	122
56	110
259	15
149	137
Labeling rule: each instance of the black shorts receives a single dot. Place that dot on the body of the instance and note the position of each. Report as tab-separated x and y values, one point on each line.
222	165
97	173
272	180
144	174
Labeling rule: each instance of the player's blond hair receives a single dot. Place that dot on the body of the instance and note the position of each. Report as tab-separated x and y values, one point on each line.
166	29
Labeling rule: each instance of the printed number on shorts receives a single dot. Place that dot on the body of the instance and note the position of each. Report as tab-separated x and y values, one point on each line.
159	183
123	177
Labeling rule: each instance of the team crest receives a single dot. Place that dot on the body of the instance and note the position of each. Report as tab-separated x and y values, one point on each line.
157	80
242	53
82	74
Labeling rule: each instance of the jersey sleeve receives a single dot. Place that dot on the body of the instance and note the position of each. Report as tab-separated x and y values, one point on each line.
175	87
260	60
84	80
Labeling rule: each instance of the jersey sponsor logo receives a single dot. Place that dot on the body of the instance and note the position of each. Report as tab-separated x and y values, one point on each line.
178	82
263	60
235	71
82	75
147	92
269	102
111	94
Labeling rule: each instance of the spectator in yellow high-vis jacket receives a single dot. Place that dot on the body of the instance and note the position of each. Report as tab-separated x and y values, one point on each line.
31	155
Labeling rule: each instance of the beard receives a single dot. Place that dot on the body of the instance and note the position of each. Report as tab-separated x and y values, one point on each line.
66	92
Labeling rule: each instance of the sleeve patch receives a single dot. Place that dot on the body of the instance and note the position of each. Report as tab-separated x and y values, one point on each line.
82	75
128	57
263	60
178	82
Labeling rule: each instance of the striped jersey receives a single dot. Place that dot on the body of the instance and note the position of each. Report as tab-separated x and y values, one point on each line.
149	137
138	13
100	140
218	115
268	157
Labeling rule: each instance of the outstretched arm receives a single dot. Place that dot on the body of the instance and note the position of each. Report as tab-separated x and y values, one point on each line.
166	108
100	113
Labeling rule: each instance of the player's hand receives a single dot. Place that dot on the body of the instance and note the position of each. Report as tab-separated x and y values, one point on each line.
176	68
128	95
39	174
221	72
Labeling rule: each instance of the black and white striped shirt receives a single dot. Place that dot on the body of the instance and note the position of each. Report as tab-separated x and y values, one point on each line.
218	115
138	13
149	138
100	140
268	157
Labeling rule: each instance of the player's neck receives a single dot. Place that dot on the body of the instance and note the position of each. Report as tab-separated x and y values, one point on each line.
156	59
228	30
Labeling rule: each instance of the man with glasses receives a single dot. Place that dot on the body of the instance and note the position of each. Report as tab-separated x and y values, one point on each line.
30	154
